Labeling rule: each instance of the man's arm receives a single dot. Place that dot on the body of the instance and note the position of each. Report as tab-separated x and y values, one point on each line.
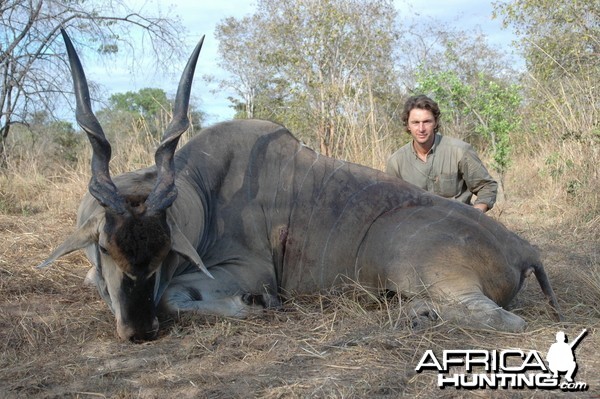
479	181
392	167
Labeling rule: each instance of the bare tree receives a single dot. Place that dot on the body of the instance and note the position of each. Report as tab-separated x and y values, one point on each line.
32	67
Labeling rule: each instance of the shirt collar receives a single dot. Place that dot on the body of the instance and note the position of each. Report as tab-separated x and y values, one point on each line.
436	142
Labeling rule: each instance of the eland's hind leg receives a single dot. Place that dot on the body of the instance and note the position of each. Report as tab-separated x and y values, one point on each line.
478	311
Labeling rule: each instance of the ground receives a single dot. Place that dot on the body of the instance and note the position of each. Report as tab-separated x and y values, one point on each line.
58	338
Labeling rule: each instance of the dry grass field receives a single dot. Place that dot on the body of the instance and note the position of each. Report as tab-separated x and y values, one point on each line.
58	338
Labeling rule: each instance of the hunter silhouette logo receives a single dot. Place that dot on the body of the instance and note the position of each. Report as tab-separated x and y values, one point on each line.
561	355
510	368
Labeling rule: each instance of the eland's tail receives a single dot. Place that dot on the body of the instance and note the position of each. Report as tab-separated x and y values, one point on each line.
542	278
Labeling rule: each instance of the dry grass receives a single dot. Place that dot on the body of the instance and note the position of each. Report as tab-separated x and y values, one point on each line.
58	338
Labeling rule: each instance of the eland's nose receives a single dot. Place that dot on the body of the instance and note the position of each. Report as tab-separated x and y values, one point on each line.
129	333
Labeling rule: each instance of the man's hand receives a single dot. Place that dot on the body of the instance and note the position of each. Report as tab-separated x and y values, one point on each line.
482	207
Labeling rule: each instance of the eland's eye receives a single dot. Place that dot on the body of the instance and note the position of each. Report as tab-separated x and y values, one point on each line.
103	250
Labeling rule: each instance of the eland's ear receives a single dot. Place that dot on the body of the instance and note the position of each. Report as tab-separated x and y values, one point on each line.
181	245
85	235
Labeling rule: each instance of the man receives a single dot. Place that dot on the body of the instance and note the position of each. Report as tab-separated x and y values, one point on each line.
443	165
560	356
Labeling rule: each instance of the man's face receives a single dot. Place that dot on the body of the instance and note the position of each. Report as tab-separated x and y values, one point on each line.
421	125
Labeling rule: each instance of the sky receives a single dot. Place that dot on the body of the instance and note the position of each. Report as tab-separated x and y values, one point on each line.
201	17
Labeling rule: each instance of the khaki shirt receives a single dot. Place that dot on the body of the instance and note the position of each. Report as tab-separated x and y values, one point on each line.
453	170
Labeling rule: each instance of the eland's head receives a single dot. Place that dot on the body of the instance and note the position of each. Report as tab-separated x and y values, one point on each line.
127	229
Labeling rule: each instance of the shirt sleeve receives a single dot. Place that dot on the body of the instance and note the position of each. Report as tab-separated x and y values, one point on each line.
392	167
478	179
